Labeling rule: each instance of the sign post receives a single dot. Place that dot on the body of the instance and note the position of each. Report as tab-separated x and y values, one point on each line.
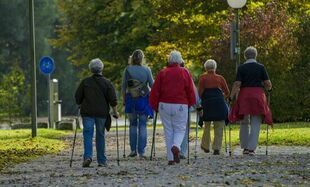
47	67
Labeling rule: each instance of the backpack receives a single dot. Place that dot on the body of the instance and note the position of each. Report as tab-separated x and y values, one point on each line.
136	88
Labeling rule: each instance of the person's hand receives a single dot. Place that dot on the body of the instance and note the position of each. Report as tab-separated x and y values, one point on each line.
115	115
199	108
230	100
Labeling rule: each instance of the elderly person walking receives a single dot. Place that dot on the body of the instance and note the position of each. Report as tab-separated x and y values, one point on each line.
172	94
137	80
95	95
251	106
212	90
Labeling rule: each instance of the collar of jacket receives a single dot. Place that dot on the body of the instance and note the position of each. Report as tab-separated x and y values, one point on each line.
97	75
251	60
173	65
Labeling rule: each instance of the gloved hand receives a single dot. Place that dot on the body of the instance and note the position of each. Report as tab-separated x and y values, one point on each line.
200	122
115	115
199	108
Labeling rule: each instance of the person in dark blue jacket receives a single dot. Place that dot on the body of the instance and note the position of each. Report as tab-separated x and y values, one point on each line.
212	90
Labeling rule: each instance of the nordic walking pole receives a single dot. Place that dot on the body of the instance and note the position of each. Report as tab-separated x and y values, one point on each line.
153	139
268	101
124	153
229	138
196	140
188	129
225	138
117	143
74	138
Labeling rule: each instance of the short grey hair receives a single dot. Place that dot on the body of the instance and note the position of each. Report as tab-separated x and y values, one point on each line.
210	65
250	53
96	66
175	57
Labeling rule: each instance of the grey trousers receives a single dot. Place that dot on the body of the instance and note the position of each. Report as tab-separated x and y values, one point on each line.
249	132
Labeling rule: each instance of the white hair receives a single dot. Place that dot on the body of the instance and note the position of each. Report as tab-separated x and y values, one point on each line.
250	53
210	65
175	57
96	66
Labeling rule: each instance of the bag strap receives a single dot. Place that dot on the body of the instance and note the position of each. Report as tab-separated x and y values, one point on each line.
98	85
130	76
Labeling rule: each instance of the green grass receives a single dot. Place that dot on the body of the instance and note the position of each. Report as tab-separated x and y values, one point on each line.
18	146
289	134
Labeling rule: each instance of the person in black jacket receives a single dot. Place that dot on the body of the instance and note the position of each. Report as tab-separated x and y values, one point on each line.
95	95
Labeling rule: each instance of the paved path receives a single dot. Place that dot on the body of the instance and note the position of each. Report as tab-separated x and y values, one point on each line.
288	166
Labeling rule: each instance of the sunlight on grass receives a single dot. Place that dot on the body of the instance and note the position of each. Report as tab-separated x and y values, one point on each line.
18	146
288	134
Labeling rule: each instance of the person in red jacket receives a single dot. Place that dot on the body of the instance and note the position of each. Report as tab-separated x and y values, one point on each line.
172	94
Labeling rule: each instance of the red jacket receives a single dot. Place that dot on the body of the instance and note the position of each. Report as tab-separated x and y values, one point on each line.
250	101
173	84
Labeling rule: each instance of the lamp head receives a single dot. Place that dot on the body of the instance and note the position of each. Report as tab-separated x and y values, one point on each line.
236	3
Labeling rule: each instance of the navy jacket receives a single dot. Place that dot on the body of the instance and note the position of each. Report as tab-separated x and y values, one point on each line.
214	105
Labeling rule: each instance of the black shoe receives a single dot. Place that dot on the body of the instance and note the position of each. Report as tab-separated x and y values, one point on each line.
86	162
205	150
102	165
251	152
171	162
216	152
132	154
142	157
245	152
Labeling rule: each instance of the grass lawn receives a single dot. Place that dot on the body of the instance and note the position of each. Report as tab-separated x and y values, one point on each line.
18	146
289	134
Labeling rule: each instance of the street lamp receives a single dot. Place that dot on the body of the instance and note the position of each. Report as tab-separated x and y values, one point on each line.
33	70
235	35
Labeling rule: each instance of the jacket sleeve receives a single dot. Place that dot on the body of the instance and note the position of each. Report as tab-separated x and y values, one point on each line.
200	86
224	87
79	94
155	93
112	99
190	91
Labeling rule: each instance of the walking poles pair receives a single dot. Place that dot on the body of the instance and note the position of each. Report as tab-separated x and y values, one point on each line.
77	122
153	139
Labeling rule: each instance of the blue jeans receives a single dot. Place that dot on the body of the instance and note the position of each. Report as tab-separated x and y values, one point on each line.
137	132
88	133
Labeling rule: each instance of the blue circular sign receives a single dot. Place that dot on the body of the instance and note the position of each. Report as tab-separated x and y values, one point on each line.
47	65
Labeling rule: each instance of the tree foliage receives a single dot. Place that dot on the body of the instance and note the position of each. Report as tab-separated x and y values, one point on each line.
111	30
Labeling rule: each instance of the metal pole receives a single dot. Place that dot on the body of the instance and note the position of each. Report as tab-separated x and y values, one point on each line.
49	100
117	143
33	70
153	139
124	154
188	130
237	50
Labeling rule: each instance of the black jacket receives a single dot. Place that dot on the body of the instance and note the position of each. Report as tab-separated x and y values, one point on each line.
89	96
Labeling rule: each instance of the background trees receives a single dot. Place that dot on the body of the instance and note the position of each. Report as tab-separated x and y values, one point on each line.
112	29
